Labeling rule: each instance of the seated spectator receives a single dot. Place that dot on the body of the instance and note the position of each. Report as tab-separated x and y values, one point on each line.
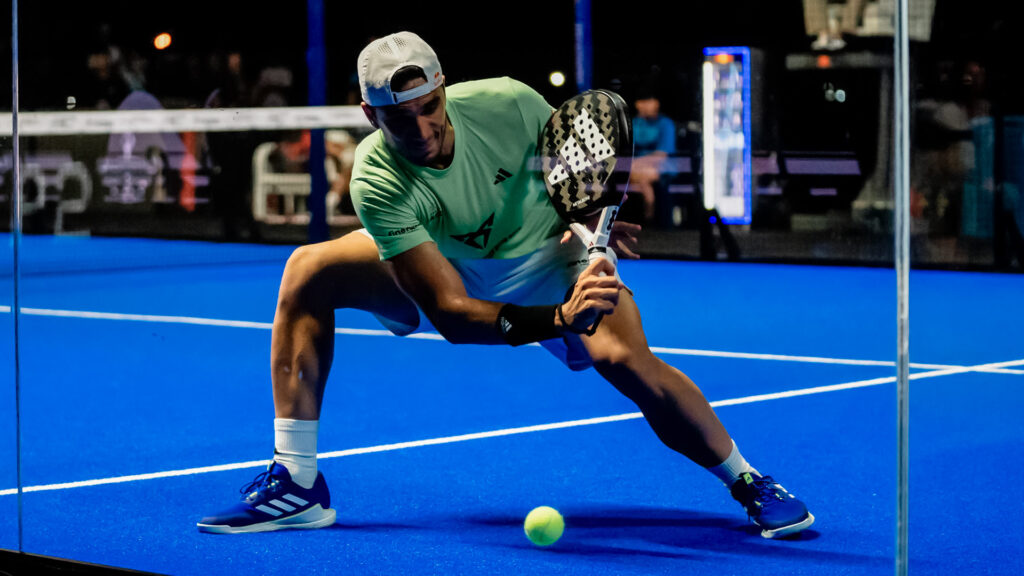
654	140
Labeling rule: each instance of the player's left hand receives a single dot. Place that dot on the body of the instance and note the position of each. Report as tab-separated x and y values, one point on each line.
623	240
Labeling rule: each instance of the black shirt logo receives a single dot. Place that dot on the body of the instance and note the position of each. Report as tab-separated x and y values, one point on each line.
501	176
484	231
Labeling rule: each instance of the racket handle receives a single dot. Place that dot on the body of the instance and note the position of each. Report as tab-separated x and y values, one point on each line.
601	253
583	233
603	231
596	253
597	241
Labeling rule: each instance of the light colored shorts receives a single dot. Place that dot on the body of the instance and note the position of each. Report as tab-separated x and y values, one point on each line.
543	277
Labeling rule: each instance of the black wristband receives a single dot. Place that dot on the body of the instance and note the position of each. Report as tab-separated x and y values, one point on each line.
524	324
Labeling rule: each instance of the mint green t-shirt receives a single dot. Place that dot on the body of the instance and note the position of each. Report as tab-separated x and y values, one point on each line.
486	204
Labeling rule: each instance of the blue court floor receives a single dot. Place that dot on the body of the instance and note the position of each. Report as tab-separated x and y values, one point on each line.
146	404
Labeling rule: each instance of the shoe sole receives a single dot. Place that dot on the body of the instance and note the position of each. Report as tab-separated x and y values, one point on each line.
791	529
315	517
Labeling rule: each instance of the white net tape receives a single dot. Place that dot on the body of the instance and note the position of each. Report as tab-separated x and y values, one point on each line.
186	120
159	157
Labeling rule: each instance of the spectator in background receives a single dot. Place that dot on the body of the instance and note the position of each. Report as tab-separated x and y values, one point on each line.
104	86
943	155
654	140
102	89
274	89
340	147
231	153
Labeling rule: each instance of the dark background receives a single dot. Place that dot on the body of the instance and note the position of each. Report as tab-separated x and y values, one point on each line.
636	45
527	39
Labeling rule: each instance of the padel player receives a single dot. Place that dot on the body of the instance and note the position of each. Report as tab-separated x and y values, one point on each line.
460	233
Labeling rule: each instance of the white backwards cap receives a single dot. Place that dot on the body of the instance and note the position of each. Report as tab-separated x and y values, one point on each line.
379	61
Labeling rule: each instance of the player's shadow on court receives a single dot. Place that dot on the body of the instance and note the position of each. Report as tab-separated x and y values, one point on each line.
677	533
370	527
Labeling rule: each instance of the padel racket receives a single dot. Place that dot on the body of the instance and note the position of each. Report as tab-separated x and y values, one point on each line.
585	150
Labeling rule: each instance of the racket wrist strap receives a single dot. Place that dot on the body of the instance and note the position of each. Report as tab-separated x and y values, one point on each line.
525	324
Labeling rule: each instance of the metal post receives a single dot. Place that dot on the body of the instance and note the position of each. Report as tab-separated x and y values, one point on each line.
901	217
16	233
316	65
584	47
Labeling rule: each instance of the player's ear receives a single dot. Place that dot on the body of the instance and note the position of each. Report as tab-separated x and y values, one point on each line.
371	114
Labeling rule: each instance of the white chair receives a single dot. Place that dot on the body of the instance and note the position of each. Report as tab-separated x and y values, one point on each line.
288	186
266	182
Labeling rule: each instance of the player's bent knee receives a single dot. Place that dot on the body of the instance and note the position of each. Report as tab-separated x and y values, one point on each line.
302	258
610	359
618	356
299	272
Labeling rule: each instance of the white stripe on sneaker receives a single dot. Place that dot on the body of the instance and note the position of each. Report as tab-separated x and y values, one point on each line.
295	499
268	510
282	505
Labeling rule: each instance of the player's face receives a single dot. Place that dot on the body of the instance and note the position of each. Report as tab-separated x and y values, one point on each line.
417	129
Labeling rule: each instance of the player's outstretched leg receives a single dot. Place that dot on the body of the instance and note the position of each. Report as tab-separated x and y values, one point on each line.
684	420
342	273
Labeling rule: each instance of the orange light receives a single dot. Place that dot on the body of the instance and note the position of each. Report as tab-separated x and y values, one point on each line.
162	41
723	58
824	61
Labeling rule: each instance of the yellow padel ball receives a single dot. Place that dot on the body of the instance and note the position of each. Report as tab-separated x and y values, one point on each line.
544	526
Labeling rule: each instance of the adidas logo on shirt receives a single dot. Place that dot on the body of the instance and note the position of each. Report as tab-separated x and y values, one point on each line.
501	176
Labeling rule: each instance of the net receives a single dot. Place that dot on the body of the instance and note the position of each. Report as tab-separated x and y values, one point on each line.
247	175
189	120
194	175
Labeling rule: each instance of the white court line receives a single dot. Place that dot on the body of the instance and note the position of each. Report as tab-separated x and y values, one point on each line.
816	359
507	431
146	318
437	337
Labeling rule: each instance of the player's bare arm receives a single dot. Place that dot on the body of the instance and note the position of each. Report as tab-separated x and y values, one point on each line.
427	277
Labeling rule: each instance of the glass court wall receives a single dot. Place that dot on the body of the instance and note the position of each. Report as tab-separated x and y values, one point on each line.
8	394
155	239
965	158
109	312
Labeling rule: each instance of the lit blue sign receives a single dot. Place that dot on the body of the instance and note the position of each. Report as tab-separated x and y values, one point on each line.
726	103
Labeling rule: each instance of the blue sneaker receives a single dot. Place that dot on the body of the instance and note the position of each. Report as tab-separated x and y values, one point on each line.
273	501
770	506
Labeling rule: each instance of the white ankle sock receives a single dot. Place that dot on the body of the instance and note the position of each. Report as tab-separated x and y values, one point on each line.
730	470
295	448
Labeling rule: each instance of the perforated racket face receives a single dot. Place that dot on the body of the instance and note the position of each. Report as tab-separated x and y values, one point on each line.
585	149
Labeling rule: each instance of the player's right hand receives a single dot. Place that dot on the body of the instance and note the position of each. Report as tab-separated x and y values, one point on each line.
596	292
